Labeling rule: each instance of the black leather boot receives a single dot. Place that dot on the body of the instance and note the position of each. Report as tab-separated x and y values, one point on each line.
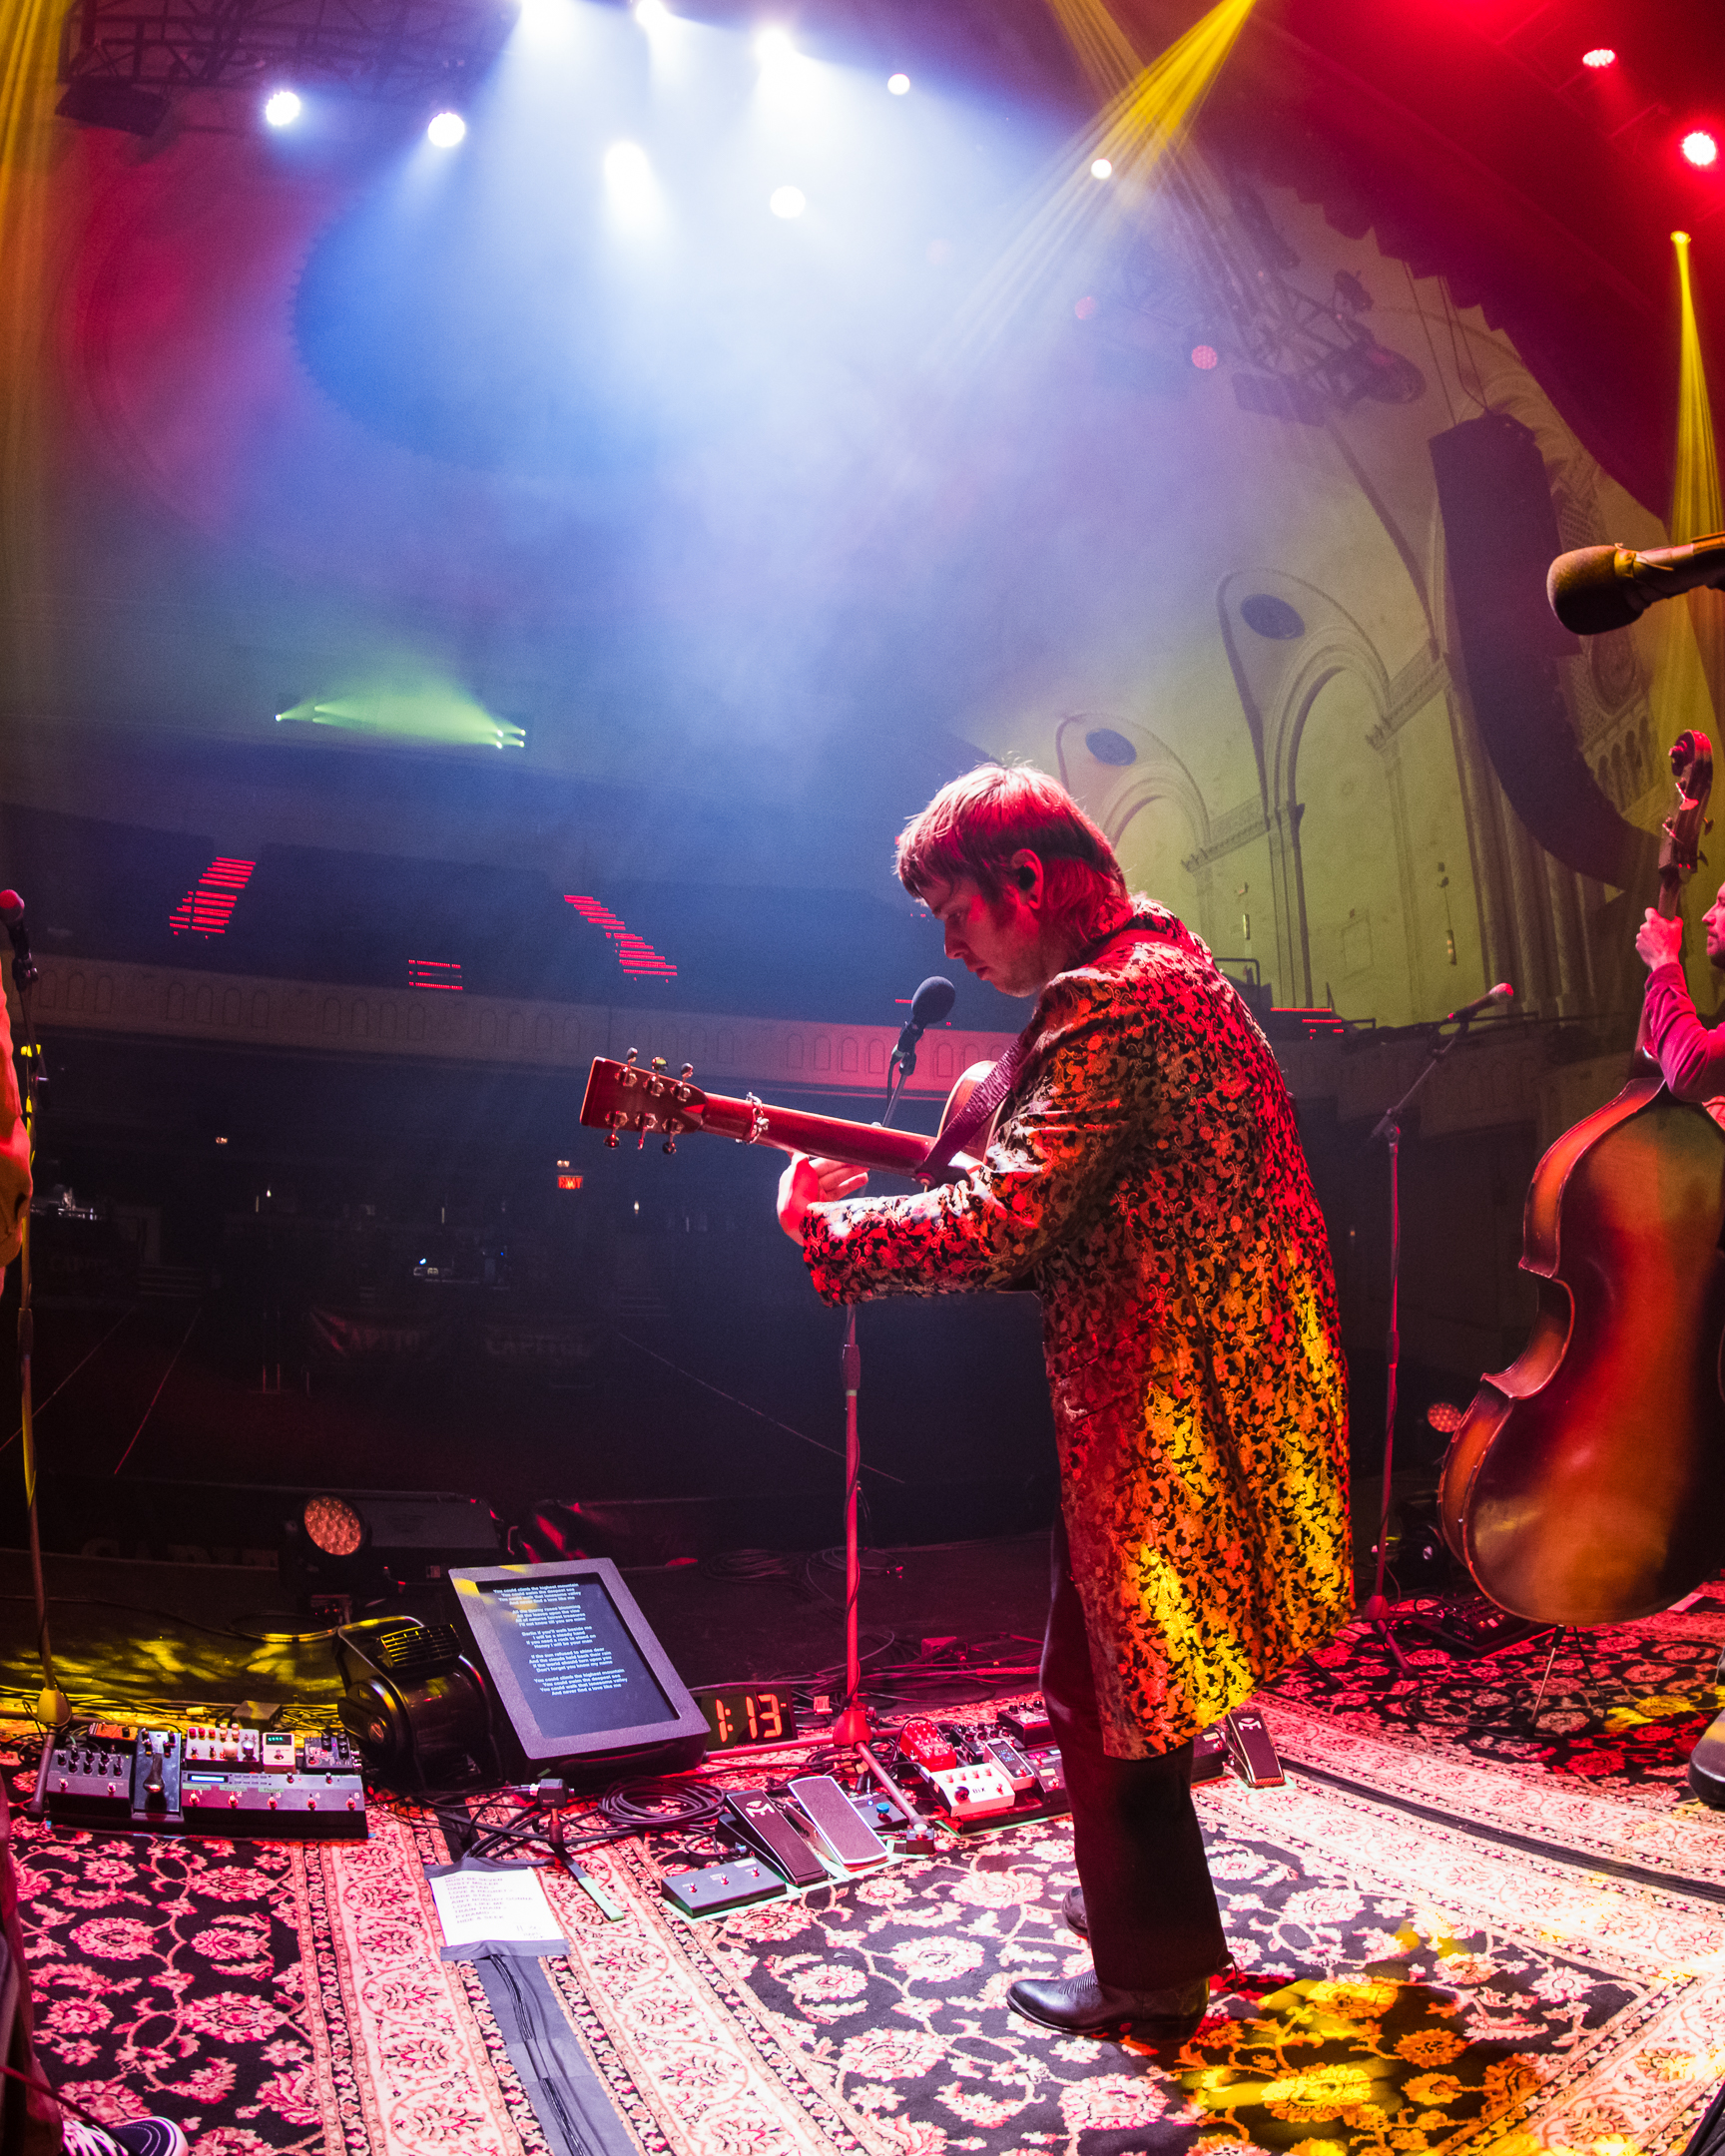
1080	2007
1072	1908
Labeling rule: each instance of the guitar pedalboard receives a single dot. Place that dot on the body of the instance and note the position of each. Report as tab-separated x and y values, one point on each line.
242	1784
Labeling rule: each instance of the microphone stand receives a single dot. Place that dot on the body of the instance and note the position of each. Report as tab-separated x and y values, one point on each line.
1375	1610
53	1709
852	1726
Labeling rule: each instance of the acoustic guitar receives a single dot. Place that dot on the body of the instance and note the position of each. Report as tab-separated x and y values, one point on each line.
1586	1482
647	1099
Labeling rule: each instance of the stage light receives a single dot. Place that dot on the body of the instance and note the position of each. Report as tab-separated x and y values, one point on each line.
1700	148
447	131
898	84
651	14
629	178
1102	169
787	201
773	47
1601	56
1204	356
282	109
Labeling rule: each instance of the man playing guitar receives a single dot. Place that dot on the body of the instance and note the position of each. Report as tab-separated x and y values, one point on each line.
1146	1177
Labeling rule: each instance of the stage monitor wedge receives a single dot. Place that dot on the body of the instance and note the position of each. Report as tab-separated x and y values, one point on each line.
580	1679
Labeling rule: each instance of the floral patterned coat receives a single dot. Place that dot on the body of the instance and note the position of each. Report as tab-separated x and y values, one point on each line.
1146	1177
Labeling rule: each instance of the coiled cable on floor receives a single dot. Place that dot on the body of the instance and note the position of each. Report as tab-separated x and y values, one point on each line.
648	1804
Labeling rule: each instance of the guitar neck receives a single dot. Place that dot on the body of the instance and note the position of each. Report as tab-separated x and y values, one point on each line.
623	1098
858	1144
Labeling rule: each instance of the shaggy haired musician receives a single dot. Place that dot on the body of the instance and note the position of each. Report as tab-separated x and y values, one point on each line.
1146	1176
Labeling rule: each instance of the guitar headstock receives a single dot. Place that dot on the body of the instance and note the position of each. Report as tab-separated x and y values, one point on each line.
627	1097
1680	846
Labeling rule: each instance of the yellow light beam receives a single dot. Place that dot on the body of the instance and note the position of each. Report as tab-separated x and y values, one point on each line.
1102	177
1105	53
1696	504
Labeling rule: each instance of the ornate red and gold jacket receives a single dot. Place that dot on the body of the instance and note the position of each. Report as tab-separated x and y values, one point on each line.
1147	1179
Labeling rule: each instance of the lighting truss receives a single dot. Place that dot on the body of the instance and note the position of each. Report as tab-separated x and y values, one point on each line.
377	48
1222	276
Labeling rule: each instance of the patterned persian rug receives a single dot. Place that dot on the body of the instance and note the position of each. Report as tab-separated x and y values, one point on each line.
1425	1961
1623	1708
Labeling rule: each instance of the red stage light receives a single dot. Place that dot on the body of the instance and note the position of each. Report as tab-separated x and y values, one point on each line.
1204	356
434	973
1700	148
1600	57
633	955
208	904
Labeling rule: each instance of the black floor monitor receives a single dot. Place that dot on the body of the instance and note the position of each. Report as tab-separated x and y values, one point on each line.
574	1666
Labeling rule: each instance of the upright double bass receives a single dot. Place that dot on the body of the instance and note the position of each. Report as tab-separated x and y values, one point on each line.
1585	1484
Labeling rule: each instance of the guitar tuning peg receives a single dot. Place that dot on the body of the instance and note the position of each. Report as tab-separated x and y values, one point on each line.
688	1071
628	1059
659	1063
670	1145
641	1142
611	1140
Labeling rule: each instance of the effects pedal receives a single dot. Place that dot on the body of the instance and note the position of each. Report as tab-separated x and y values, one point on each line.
1209	1753
1011	1763
839	1827
1046	1764
1029	1724
206	1781
721	1886
768	1829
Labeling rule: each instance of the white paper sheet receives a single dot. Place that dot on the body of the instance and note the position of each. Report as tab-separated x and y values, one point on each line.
507	1906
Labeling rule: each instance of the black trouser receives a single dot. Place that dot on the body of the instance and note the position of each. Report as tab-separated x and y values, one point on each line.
1147	1895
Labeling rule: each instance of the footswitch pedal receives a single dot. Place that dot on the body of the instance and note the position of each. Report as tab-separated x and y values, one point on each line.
721	1886
974	1790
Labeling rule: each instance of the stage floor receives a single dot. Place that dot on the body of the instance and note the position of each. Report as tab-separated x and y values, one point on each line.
1453	1930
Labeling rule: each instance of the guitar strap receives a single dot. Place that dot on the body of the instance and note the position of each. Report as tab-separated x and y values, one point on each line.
978	1111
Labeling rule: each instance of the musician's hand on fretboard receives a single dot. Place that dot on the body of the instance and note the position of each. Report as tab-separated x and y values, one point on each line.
808	1182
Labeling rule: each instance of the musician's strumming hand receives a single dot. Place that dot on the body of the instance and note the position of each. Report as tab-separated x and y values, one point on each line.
1659	941
808	1181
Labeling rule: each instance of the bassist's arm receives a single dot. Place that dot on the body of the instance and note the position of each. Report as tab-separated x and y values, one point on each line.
1691	1056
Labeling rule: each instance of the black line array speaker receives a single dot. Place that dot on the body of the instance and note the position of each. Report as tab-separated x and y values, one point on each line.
1500	532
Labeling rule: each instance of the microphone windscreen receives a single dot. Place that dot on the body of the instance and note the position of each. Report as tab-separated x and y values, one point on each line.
1586	592
932	1001
11	908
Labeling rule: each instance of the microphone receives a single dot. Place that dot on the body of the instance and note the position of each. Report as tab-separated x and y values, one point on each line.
1607	587
928	1007
24	970
1502	993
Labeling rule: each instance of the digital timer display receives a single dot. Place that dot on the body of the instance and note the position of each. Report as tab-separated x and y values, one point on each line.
739	1717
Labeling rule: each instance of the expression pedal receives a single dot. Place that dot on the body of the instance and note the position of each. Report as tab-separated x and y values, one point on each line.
840	1832
1251	1751
769	1832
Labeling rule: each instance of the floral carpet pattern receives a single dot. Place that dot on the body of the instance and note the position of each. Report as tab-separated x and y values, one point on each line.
1439	1946
1624	1706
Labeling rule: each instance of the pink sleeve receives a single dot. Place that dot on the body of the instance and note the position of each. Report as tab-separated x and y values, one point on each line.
1691	1058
